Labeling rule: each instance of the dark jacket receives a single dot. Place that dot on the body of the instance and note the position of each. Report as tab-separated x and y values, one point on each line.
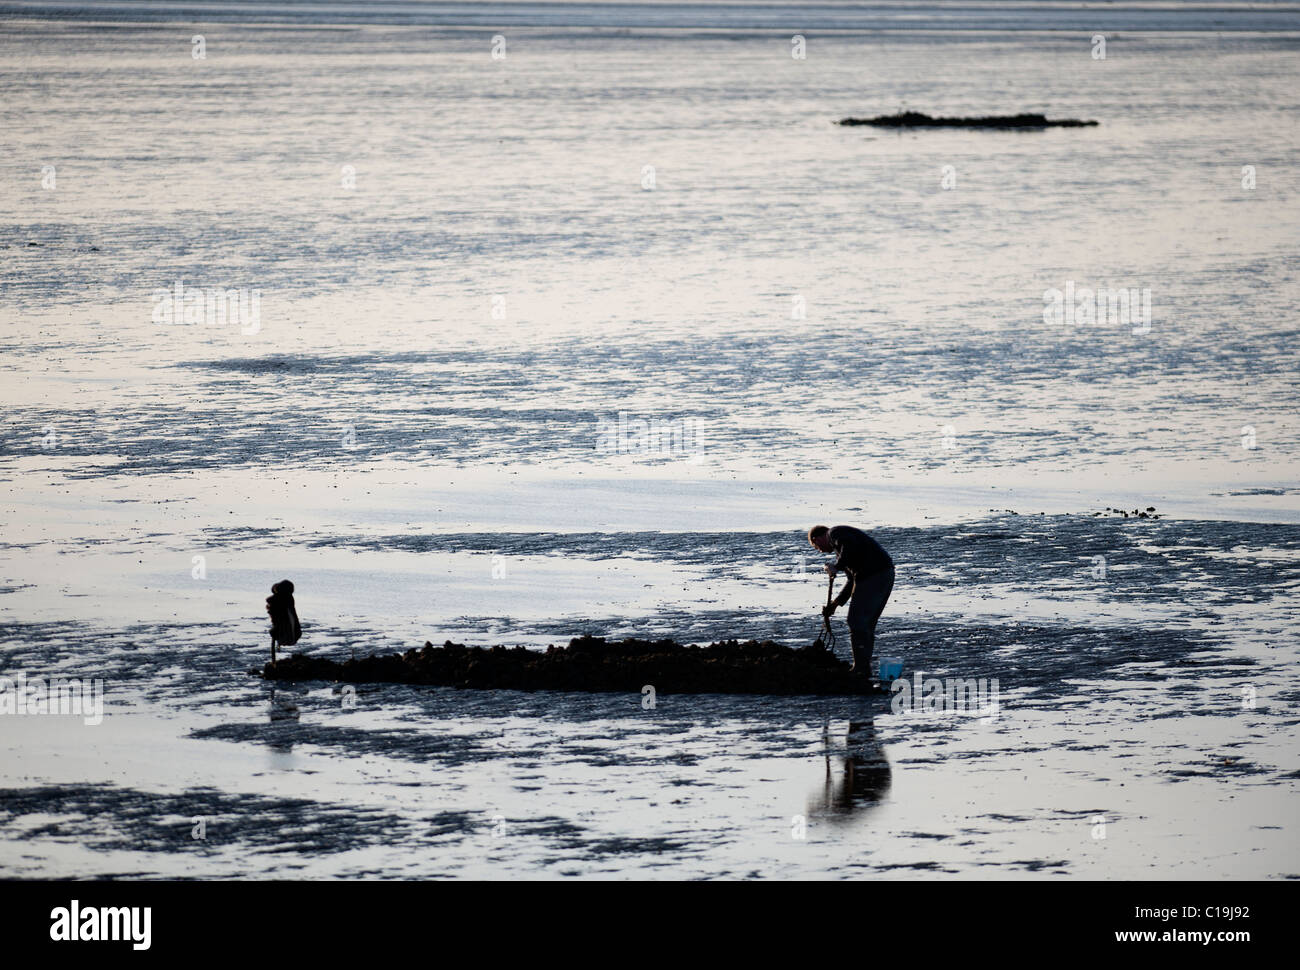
859	556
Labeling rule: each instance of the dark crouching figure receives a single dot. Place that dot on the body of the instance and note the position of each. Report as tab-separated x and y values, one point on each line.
871	580
285	628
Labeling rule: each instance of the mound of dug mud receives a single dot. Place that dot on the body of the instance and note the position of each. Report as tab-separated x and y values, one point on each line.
594	664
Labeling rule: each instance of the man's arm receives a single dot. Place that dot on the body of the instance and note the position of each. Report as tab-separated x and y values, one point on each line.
847	591
840	567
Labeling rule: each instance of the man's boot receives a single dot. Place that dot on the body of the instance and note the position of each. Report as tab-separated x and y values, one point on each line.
863	644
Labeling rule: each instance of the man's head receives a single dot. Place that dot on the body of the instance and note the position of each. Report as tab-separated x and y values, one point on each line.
820	536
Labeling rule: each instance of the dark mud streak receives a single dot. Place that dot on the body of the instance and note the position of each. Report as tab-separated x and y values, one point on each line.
286	729
1059	549
107	818
110	818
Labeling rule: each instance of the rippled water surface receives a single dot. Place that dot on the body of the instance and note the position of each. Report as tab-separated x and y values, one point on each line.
467	267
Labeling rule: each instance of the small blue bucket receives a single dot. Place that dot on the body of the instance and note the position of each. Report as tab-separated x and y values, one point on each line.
891	668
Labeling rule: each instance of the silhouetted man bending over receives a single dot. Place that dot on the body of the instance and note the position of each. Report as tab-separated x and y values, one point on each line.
871	580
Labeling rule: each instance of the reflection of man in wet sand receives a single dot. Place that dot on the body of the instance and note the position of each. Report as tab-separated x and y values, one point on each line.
866	777
871	580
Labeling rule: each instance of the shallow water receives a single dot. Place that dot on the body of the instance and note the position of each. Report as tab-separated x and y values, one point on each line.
422	470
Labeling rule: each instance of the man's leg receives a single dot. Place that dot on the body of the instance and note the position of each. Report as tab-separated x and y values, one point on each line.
869	598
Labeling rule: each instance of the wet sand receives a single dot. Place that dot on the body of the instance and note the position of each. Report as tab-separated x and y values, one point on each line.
424	471
1157	703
